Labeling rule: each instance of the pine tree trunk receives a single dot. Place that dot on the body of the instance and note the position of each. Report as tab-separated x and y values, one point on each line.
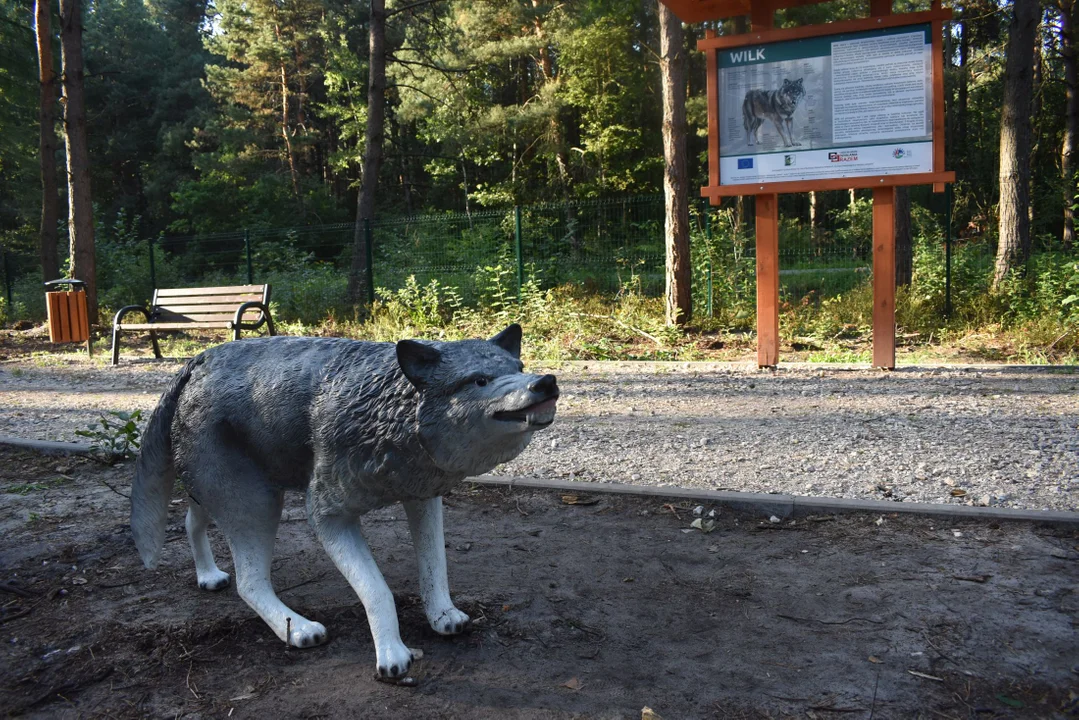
904	249
48	143
1070	146
293	172
372	158
1013	247
80	203
557	136
672	63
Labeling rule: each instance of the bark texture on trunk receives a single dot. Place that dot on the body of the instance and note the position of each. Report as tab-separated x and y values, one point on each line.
80	203
1013	247
1070	145
372	158
48	143
287	136
672	63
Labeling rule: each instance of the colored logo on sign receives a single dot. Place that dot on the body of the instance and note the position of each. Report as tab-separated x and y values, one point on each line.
788	160
745	163
847	156
899	153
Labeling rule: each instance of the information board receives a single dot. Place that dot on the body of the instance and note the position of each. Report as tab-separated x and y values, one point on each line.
834	106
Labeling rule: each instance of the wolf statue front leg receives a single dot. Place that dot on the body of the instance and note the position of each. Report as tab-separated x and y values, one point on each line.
344	543
428	538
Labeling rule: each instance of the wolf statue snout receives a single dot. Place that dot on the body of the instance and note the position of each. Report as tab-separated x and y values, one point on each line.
355	425
546	385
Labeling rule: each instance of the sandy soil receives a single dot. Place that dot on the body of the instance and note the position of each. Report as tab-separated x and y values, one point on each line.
584	610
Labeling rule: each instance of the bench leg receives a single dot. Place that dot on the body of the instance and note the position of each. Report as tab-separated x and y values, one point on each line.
115	345
269	325
235	332
157	348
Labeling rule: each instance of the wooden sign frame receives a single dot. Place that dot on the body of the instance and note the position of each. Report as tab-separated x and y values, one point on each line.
766	193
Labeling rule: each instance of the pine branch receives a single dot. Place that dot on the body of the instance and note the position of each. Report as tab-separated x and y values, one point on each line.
431	66
410	6
420	91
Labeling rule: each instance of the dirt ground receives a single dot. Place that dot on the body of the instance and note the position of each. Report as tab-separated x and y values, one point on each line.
582	610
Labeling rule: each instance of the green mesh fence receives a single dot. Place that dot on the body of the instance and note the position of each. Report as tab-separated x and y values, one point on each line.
452	249
601	246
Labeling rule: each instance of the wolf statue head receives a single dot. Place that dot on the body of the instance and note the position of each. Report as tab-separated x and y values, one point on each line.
477	406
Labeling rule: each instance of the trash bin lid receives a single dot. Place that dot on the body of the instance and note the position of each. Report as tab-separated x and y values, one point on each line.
75	284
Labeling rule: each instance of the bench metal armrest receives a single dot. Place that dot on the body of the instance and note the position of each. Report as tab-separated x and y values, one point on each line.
118	319
238	323
131	308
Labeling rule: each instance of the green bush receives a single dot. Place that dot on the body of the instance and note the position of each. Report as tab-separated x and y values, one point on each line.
123	266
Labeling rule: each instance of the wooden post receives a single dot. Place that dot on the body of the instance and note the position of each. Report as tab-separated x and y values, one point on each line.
884	277
762	17
884	254
767	280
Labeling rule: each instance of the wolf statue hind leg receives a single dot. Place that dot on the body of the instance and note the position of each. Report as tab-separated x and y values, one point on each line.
428	538
209	576
231	489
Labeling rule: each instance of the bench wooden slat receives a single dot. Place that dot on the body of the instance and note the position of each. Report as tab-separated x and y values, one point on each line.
226	290
174	325
205	317
233	300
203	309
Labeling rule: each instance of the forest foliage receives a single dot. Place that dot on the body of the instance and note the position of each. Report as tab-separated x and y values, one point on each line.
217	115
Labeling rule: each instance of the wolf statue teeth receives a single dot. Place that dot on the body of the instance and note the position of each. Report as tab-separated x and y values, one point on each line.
357	425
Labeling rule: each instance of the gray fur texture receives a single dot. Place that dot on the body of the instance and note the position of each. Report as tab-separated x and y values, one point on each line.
355	425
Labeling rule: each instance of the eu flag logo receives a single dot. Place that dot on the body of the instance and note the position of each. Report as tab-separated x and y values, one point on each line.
745	163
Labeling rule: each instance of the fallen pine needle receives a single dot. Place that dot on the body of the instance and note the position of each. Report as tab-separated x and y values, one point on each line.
915	673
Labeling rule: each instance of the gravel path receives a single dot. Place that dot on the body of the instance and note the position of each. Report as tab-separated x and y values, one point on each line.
1002	436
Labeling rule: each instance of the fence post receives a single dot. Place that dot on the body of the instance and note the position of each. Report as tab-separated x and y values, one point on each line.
948	253
708	248
247	250
369	251
153	269
517	246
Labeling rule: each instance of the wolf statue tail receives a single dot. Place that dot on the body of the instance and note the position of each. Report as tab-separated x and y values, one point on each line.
154	474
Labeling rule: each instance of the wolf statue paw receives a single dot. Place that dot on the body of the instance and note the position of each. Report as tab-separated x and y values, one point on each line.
307	633
449	622
214	580
394	660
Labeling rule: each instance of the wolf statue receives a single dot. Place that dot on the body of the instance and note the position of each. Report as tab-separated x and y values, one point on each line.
357	425
776	105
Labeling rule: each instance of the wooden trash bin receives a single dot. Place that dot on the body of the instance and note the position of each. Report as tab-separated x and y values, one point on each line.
68	321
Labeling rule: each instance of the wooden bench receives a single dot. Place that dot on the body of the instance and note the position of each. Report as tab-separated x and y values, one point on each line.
236	308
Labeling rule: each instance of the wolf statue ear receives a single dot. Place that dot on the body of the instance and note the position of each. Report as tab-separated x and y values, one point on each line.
509	340
417	361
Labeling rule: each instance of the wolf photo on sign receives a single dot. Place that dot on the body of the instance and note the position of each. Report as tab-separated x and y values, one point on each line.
839	105
762	102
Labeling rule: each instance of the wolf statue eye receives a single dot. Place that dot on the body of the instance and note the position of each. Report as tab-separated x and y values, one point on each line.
482	382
